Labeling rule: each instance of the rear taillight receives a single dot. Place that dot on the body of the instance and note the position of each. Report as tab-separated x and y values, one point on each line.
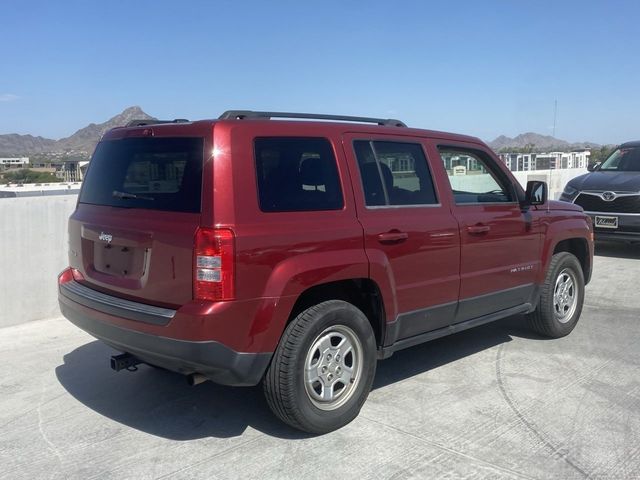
65	276
213	264
69	274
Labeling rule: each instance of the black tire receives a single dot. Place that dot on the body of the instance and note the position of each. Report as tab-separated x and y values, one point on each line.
284	382
546	319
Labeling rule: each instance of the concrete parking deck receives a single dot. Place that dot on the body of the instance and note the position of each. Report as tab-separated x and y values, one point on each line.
493	402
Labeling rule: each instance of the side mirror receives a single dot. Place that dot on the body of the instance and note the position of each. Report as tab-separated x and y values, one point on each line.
594	166
537	193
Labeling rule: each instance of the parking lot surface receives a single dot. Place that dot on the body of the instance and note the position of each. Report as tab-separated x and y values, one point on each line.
493	402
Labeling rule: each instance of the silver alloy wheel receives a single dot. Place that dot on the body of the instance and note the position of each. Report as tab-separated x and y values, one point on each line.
333	367
565	296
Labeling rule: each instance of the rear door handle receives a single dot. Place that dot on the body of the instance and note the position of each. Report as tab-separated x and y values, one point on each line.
392	237
478	229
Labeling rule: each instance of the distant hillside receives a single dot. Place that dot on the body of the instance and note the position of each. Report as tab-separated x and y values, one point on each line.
86	138
537	142
83	141
14	144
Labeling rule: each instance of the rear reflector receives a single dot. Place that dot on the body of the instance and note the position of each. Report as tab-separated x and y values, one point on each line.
77	276
213	264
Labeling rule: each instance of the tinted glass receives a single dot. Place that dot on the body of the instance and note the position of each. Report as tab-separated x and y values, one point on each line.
394	173
623	160
151	173
472	181
297	174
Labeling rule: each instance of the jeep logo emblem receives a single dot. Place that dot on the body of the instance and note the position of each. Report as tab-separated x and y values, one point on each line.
608	196
107	237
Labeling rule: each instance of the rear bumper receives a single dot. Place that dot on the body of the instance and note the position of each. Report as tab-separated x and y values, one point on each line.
210	358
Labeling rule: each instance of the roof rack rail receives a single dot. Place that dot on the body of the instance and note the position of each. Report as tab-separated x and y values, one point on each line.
152	121
248	114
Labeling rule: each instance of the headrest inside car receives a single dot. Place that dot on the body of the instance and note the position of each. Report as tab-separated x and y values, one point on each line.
313	171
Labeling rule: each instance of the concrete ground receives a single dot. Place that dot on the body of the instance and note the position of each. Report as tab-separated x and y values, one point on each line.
493	402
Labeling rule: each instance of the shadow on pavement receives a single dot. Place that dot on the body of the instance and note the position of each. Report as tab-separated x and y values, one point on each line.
162	404
431	355
618	250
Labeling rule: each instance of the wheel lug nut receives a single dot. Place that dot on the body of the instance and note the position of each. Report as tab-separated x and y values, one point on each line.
329	357
324	369
337	358
330	376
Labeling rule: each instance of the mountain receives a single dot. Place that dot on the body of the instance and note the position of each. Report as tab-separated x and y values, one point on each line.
86	138
538	142
15	145
81	142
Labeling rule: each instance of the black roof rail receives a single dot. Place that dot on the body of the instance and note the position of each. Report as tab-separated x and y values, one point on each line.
248	114
151	121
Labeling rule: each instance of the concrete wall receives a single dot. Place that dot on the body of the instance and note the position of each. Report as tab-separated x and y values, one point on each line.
33	250
556	179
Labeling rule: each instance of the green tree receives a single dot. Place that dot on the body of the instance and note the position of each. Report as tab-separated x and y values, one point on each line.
600	154
26	175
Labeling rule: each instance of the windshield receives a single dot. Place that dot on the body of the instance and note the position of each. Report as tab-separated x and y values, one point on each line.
623	160
151	173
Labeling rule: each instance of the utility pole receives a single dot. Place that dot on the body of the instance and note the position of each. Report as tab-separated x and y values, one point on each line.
555	114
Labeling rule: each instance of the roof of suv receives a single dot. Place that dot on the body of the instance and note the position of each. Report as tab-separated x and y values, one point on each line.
635	143
333	124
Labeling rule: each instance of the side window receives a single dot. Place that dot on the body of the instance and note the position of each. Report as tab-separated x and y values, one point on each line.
296	174
472	179
394	173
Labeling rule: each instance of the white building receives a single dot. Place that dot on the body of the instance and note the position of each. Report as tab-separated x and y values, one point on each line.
14	162
526	162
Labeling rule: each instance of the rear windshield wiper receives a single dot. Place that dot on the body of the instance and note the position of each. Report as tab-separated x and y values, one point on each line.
128	196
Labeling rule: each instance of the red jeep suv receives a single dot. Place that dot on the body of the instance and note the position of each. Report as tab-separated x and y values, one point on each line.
297	253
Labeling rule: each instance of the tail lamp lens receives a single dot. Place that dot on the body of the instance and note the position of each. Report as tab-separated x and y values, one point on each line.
68	275
65	276
214	257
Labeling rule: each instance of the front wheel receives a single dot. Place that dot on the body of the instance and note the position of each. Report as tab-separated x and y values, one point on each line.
561	297
323	368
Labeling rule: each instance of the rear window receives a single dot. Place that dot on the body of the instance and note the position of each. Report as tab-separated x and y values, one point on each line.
150	173
297	174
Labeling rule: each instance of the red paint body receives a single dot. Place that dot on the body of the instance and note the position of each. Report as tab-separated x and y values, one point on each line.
278	256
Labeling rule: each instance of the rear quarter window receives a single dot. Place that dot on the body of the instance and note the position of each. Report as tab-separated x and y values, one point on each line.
150	173
297	174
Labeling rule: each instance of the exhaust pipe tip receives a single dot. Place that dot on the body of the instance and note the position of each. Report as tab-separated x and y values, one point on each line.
196	379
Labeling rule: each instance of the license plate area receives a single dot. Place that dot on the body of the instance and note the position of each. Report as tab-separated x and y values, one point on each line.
119	260
602	221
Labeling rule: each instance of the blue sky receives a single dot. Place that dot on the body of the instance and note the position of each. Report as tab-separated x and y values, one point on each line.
479	67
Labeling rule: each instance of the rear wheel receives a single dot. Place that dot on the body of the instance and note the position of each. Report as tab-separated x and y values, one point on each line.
323	368
561	297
